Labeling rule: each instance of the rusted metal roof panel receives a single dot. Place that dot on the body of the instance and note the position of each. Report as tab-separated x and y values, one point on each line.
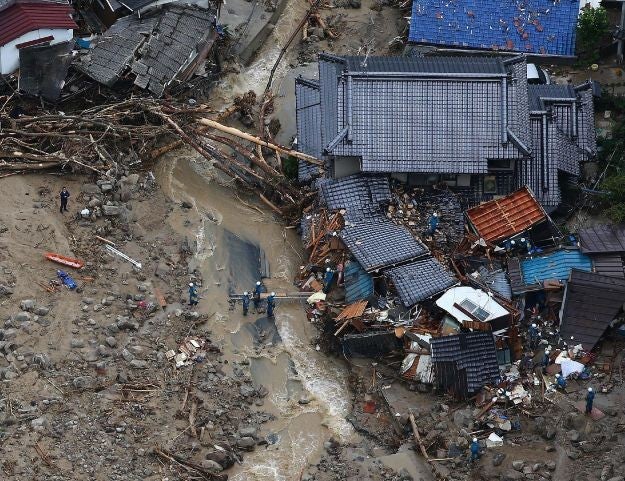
353	310
501	219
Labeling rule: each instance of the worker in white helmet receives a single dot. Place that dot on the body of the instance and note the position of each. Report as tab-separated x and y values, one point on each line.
533	335
475	450
561	381
246	302
590	397
257	290
271	303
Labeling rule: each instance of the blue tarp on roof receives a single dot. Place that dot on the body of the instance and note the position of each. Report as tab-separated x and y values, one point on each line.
536	26
358	284
556	265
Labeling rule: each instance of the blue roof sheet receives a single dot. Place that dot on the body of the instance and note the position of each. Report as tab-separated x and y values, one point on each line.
358	284
536	26
556	265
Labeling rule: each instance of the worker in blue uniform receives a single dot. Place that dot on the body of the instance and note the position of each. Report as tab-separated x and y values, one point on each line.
246	303
590	397
257	290
271	304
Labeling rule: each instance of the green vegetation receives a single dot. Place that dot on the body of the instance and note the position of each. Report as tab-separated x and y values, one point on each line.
289	167
612	158
593	26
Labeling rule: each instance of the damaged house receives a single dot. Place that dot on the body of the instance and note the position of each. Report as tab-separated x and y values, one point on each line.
472	123
156	51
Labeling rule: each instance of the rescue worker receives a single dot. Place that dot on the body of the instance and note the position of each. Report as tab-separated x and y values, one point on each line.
561	381
193	296
246	303
64	197
327	280
475	450
257	290
533	335
433	223
271	303
590	397
546	359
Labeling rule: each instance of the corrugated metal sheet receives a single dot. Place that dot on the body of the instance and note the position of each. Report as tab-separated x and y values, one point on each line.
532	26
556	265
22	18
43	69
602	239
501	219
420	280
474	359
358	284
378	243
591	302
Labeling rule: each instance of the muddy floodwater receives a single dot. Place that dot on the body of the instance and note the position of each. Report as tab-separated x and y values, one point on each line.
281	352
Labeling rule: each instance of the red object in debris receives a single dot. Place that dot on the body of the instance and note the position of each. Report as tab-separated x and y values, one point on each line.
369	407
439	15
66	261
509	44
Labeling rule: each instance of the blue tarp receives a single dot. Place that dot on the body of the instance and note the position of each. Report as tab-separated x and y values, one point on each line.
358	284
536	26
556	265
67	280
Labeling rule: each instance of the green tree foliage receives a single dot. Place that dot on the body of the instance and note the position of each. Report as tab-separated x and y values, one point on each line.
592	27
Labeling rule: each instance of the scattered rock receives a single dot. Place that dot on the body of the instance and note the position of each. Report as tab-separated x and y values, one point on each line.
27	305
139	364
498	459
77	343
212	466
21	317
83	382
246	443
40	424
111	210
518	465
511	476
111	341
550	465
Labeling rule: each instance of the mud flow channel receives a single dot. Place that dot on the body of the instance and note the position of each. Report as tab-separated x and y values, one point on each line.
280	352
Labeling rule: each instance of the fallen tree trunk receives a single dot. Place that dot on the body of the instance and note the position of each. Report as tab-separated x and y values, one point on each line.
263	143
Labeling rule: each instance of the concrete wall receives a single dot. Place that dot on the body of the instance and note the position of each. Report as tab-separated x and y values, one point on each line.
10	55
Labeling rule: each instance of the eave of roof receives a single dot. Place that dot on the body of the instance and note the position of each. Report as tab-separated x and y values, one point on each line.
20	18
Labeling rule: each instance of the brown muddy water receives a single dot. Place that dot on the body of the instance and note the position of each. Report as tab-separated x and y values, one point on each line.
282	355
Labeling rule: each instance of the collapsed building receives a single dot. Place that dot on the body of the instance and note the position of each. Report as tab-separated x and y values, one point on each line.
156	51
472	123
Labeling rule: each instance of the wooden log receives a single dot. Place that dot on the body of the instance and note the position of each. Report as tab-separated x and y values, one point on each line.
250	138
415	432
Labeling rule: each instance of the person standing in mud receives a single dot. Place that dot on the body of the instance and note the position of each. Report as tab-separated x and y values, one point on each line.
257	290
271	304
246	303
193	296
64	198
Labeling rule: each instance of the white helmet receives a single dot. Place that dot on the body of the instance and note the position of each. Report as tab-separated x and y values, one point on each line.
533	325
258	283
512	242
589	389
245	293
190	284
327	269
558	375
475	440
273	294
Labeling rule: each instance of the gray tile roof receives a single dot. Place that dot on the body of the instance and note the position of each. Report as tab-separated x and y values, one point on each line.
591	302
114	50
420	280
378	243
609	265
361	195
496	280
472	356
433	114
308	120
602	239
156	48
537	92
440	64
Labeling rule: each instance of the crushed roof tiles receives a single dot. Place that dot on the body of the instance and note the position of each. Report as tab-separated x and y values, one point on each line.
377	243
471	352
555	265
602	239
591	302
360	195
420	280
156	47
358	283
503	218
533	26
496	280
370	344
